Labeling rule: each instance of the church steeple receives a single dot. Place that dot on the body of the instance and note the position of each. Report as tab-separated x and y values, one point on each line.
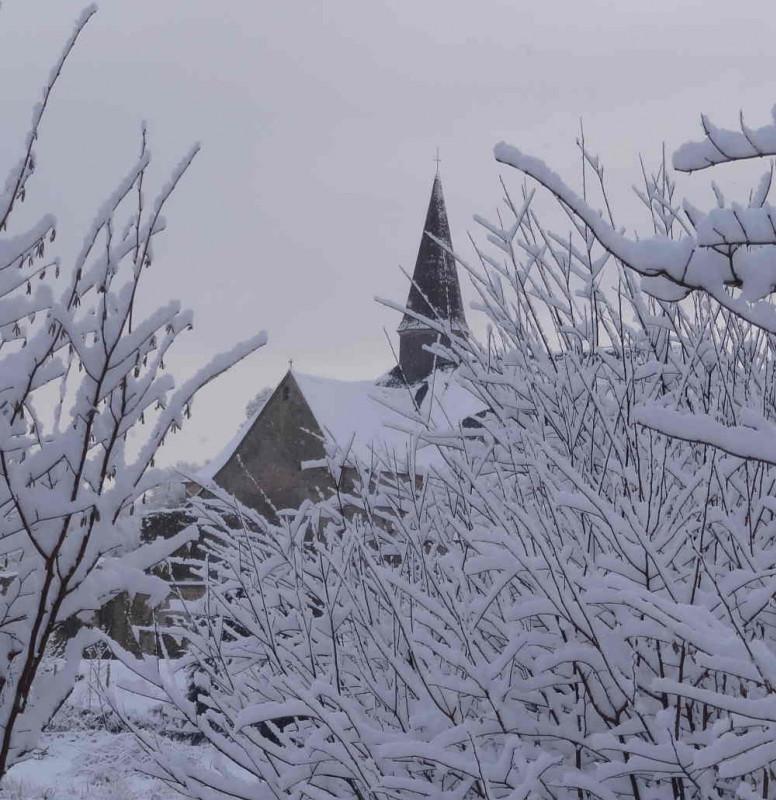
434	293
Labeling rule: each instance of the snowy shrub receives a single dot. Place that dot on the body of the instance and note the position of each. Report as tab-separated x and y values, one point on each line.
576	598
81	371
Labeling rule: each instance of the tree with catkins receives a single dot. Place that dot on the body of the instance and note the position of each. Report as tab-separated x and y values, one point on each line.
81	372
575	599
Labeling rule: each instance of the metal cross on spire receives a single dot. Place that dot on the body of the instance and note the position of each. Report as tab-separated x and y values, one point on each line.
438	160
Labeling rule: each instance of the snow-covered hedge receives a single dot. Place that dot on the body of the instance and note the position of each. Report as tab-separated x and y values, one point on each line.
576	602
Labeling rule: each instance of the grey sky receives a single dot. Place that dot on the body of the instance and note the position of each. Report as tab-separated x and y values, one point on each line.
319	122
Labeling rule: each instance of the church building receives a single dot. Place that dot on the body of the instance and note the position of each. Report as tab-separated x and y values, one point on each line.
276	459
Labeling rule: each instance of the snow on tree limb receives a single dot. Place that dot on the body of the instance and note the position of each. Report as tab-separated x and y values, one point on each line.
721	146
651	257
69	540
731	247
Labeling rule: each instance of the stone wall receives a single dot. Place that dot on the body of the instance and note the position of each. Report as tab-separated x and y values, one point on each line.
265	471
129	620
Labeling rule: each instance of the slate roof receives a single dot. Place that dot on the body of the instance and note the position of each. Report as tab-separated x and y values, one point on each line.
435	291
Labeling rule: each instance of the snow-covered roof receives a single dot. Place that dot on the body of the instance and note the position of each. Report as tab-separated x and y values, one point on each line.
355	411
366	419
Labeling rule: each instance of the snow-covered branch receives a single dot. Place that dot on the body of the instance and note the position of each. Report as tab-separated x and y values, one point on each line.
69	541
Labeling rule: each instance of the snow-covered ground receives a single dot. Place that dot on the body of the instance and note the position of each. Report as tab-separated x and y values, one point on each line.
85	755
81	765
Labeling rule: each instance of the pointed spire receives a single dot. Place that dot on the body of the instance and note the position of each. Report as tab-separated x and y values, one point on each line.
435	291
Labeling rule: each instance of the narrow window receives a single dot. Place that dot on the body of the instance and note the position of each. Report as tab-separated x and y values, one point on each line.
286	392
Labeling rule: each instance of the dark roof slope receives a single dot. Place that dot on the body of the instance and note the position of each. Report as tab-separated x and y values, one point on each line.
435	291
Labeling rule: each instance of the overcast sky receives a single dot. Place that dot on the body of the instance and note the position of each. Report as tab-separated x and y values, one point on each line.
319	123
